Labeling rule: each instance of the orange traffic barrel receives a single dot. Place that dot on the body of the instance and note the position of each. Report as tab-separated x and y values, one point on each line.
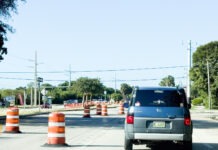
121	108
12	120
86	111
104	110
98	109
56	129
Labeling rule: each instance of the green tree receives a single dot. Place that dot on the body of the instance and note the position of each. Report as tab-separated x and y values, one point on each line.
116	96
125	90
55	93
168	81
109	91
205	59
6	7
47	86
7	92
87	87
64	85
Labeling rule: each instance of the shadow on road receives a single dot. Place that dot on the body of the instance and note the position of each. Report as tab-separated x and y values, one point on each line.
205	146
96	122
76	121
96	146
196	146
204	124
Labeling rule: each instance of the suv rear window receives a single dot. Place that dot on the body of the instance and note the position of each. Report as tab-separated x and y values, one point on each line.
160	98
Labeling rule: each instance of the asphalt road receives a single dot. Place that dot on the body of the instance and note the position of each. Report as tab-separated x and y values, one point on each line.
98	133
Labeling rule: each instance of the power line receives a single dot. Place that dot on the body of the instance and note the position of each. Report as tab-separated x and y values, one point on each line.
15	78
107	70
118	80
134	80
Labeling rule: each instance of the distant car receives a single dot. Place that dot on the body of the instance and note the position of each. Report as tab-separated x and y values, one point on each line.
2	104
71	101
46	105
158	115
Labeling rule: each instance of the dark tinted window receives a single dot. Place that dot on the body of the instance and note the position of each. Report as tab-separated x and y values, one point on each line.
160	98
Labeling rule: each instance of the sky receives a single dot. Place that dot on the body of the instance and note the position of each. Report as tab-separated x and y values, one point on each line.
118	41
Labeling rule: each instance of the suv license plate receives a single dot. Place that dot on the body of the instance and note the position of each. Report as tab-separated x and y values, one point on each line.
159	124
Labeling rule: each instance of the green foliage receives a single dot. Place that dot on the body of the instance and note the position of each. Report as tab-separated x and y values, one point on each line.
125	90
89	86
3	50
59	94
56	95
6	7
168	81
197	101
116	96
109	90
7	92
47	86
65	85
199	72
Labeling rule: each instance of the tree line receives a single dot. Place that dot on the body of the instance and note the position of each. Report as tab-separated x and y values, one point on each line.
82	89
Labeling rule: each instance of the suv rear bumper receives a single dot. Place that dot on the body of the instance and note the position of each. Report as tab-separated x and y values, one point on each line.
161	137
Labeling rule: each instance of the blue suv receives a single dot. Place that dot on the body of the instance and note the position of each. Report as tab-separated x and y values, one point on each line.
156	115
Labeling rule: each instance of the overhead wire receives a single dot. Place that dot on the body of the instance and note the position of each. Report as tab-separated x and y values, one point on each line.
83	71
108	70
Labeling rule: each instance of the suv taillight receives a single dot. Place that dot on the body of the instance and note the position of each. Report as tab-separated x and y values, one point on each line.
129	119
187	121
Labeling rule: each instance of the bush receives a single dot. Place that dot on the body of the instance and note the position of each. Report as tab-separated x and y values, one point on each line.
197	101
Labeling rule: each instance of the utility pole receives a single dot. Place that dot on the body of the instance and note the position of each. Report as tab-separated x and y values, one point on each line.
39	79
188	75
208	84
35	80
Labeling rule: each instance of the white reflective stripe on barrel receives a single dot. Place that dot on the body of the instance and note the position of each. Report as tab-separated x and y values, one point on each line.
14	110
56	124
12	125
12	116
51	135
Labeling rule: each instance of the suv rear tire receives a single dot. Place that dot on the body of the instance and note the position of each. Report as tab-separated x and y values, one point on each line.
187	145
128	145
